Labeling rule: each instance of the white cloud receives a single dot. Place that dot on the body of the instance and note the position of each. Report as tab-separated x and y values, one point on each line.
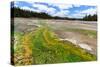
90	11
39	6
77	15
62	13
63	6
44	8
30	9
83	13
16	4
76	5
26	8
31	2
51	11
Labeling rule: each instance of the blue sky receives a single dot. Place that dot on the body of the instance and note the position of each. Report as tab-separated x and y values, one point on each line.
57	9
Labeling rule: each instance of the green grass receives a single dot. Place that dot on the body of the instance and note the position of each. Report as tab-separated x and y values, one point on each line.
46	48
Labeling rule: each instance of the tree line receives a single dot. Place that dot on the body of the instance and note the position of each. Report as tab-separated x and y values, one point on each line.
17	12
90	17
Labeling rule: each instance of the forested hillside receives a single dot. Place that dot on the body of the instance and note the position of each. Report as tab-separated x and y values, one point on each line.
17	12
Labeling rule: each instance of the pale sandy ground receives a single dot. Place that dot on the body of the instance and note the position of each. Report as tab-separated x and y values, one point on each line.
25	25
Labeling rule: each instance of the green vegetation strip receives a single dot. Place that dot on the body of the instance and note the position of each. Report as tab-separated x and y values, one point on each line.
46	48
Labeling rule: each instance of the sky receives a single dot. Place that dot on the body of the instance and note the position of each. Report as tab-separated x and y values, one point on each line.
57	9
